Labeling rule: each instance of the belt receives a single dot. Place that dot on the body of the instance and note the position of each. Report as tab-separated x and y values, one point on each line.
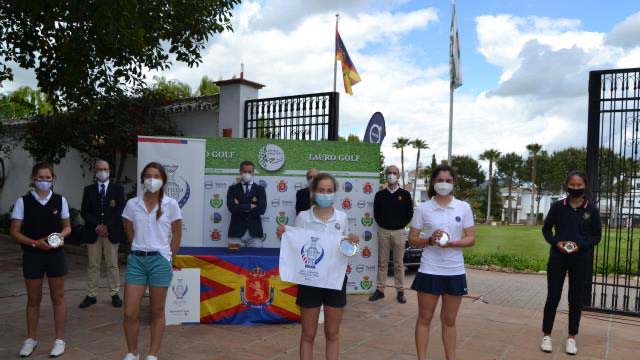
143	253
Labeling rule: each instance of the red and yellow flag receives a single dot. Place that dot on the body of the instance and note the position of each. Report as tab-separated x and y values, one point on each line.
349	73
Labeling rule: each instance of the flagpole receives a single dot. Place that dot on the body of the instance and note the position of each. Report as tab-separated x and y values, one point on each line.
335	51
450	122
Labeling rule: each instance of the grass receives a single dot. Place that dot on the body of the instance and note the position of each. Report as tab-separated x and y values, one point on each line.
524	247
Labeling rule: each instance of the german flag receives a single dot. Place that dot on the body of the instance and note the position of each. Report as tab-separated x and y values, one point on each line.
349	73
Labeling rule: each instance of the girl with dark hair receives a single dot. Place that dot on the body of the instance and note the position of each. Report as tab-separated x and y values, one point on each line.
153	224
572	228
448	225
35	216
322	217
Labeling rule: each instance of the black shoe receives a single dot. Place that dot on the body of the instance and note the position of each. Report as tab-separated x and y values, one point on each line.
88	301
401	298
376	295
116	301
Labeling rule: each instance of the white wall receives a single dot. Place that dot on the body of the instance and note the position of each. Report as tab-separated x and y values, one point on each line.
198	123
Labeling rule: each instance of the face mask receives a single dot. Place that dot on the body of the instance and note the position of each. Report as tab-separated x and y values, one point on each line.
324	200
152	185
246	177
392	179
575	193
102	176
443	188
43	185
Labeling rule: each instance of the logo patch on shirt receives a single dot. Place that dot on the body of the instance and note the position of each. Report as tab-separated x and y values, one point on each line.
586	216
54	211
337	226
458	219
399	197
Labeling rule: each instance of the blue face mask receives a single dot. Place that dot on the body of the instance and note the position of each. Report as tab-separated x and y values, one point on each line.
324	200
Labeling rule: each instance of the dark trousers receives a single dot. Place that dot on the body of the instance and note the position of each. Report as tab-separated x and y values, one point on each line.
577	266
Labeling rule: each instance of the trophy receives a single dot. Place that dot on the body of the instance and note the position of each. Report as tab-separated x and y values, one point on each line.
55	240
347	248
312	251
569	247
172	188
444	239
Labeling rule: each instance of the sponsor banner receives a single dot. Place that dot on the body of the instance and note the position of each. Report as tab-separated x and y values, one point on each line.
183	298
312	258
183	160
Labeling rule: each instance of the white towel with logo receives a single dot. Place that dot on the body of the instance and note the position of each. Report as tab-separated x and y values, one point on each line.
312	258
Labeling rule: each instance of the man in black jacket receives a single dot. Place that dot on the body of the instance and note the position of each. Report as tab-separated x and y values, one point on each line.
303	196
246	201
102	206
392	210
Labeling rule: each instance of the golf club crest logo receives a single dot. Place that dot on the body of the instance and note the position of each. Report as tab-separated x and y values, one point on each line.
282	186
310	254
179	192
216	202
271	157
366	284
216	218
257	292
179	289
346	203
586	216
348	186
367	235
282	218
367	188
263	184
366	252
367	220
215	235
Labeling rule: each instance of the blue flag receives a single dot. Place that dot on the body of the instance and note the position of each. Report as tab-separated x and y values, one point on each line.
376	130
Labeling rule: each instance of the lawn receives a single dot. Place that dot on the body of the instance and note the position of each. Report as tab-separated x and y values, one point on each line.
524	247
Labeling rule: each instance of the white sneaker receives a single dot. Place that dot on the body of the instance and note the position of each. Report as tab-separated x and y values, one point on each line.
571	348
151	357
130	356
58	348
27	347
545	345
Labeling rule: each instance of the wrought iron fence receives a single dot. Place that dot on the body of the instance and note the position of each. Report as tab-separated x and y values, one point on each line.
613	169
299	117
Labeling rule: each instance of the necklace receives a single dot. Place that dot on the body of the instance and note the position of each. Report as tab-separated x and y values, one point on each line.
324	218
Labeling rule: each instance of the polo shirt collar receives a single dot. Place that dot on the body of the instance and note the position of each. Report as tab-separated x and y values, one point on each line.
585	203
394	190
37	197
315	219
436	206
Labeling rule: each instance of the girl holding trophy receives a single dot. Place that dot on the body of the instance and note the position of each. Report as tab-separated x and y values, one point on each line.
572	228
448	224
153	224
322	217
39	223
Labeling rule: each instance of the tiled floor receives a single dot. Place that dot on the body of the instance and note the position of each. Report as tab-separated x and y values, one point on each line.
508	327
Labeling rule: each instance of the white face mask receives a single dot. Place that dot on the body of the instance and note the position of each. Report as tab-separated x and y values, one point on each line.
43	185
102	176
443	188
246	177
152	185
392	179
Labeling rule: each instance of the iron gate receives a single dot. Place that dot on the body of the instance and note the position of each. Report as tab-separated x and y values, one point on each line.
613	169
299	117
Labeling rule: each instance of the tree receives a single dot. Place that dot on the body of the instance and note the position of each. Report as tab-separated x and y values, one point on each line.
172	89
21	103
469	175
207	87
84	50
533	149
491	155
508	166
417	144
495	210
401	143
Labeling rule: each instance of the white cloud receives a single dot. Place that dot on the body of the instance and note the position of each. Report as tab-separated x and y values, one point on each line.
626	33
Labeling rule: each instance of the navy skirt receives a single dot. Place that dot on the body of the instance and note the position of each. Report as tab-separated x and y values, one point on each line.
455	285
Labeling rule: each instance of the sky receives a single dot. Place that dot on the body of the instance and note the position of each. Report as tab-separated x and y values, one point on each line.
525	65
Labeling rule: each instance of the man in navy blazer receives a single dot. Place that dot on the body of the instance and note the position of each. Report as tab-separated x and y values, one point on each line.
102	206
246	201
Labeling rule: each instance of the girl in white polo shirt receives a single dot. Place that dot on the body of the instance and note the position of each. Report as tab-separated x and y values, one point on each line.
322	217
441	272
153	223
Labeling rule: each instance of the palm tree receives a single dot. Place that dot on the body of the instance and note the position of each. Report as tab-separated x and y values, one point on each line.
400	143
508	165
534	149
491	155
419	145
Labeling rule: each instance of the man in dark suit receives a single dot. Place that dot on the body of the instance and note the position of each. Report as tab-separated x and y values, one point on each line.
102	206
303	196
246	201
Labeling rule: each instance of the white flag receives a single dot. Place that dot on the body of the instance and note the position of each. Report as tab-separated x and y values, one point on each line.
312	258
455	71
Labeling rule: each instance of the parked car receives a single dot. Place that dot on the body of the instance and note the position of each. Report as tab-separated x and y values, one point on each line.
411	257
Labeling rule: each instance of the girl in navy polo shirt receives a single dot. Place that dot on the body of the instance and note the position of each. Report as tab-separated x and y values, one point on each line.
572	228
35	216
